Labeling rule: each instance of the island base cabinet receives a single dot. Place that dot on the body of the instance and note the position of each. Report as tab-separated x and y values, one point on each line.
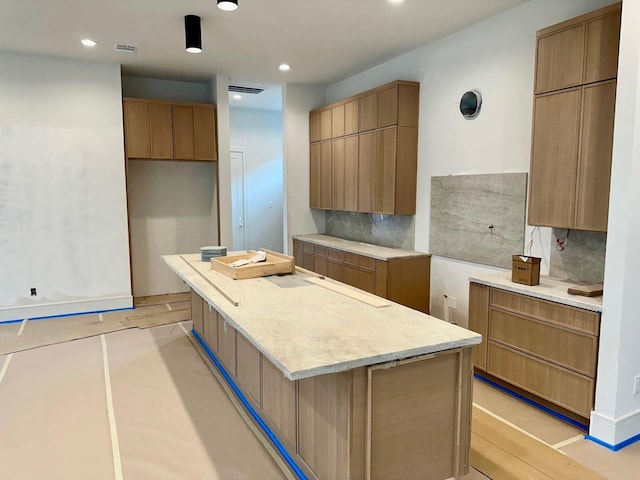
406	419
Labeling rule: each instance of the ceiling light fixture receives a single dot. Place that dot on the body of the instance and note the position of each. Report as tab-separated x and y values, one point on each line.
237	96
192	34
284	67
87	42
228	5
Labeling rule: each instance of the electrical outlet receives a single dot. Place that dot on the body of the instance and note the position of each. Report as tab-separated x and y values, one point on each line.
451	302
636	385
34	293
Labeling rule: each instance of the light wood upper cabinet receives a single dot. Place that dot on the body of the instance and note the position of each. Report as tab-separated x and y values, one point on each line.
579	51
137	130
325	174
572	134
160	129
554	158
169	131
594	166
374	170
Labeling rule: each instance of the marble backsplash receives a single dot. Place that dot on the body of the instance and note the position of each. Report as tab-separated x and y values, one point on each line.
386	230
582	259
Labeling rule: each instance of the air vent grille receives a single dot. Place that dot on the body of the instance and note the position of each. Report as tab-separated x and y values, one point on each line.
125	48
243	89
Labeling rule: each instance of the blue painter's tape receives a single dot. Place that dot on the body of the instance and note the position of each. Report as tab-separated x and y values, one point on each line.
6	322
532	403
299	473
616	447
80	313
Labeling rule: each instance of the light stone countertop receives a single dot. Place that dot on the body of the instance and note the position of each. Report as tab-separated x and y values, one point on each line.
549	289
375	251
307	330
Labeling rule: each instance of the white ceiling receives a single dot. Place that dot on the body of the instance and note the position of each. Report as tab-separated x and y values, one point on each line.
324	40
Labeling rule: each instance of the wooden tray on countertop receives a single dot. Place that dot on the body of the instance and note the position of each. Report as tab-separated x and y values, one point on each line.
586	290
275	264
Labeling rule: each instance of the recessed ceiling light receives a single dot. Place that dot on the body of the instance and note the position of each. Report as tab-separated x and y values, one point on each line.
284	67
87	42
228	5
237	96
396	1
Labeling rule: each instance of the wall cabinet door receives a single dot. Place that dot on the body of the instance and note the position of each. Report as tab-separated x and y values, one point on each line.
160	129
366	172
385	170
351	117
325	174
338	154
204	123
368	112
183	132
594	166
554	158
559	59
136	127
337	120
314	175
314	126
387	107
351	173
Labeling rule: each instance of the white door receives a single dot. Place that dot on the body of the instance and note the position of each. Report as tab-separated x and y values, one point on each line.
237	200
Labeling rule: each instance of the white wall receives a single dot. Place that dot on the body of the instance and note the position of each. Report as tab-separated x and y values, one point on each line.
258	133
298	100
172	204
617	411
63	214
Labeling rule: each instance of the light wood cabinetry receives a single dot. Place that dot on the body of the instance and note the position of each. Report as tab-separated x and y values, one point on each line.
573	121
404	280
160	130
545	348
376	170
248	367
227	346
197	312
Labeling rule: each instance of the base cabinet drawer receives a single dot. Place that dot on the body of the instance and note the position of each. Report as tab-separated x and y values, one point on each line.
570	349
568	389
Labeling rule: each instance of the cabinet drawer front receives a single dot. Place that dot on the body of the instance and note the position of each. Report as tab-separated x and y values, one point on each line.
297	245
319	251
573	350
577	318
361	261
320	265
335	270
558	385
307	247
337	255
359	278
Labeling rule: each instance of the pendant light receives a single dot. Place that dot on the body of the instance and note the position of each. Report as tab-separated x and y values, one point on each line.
192	33
228	5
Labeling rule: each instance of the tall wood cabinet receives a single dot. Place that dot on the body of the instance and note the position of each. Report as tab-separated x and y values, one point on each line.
575	88
160	130
372	164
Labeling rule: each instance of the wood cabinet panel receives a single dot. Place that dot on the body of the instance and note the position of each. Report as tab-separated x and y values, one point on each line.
594	167
559	59
160	128
362	279
183	132
335	270
406	171
324	420
408	105
416	395
563	315
603	42
338	154
196	312
314	126
337	120
367	263
321	265
325	175
325	124
408	281
314	176
385	170
570	349
368	111
351	117
279	402
558	385
387	106
554	159
366	172
204	120
227	346
381	277
479	321
248	367
210	326
137	129
351	173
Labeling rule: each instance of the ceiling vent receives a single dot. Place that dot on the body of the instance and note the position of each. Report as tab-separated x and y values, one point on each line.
120	47
242	89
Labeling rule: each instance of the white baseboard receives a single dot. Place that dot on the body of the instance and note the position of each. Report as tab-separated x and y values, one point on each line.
614	432
68	307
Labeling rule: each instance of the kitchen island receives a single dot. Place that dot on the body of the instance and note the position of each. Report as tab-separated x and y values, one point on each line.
352	386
